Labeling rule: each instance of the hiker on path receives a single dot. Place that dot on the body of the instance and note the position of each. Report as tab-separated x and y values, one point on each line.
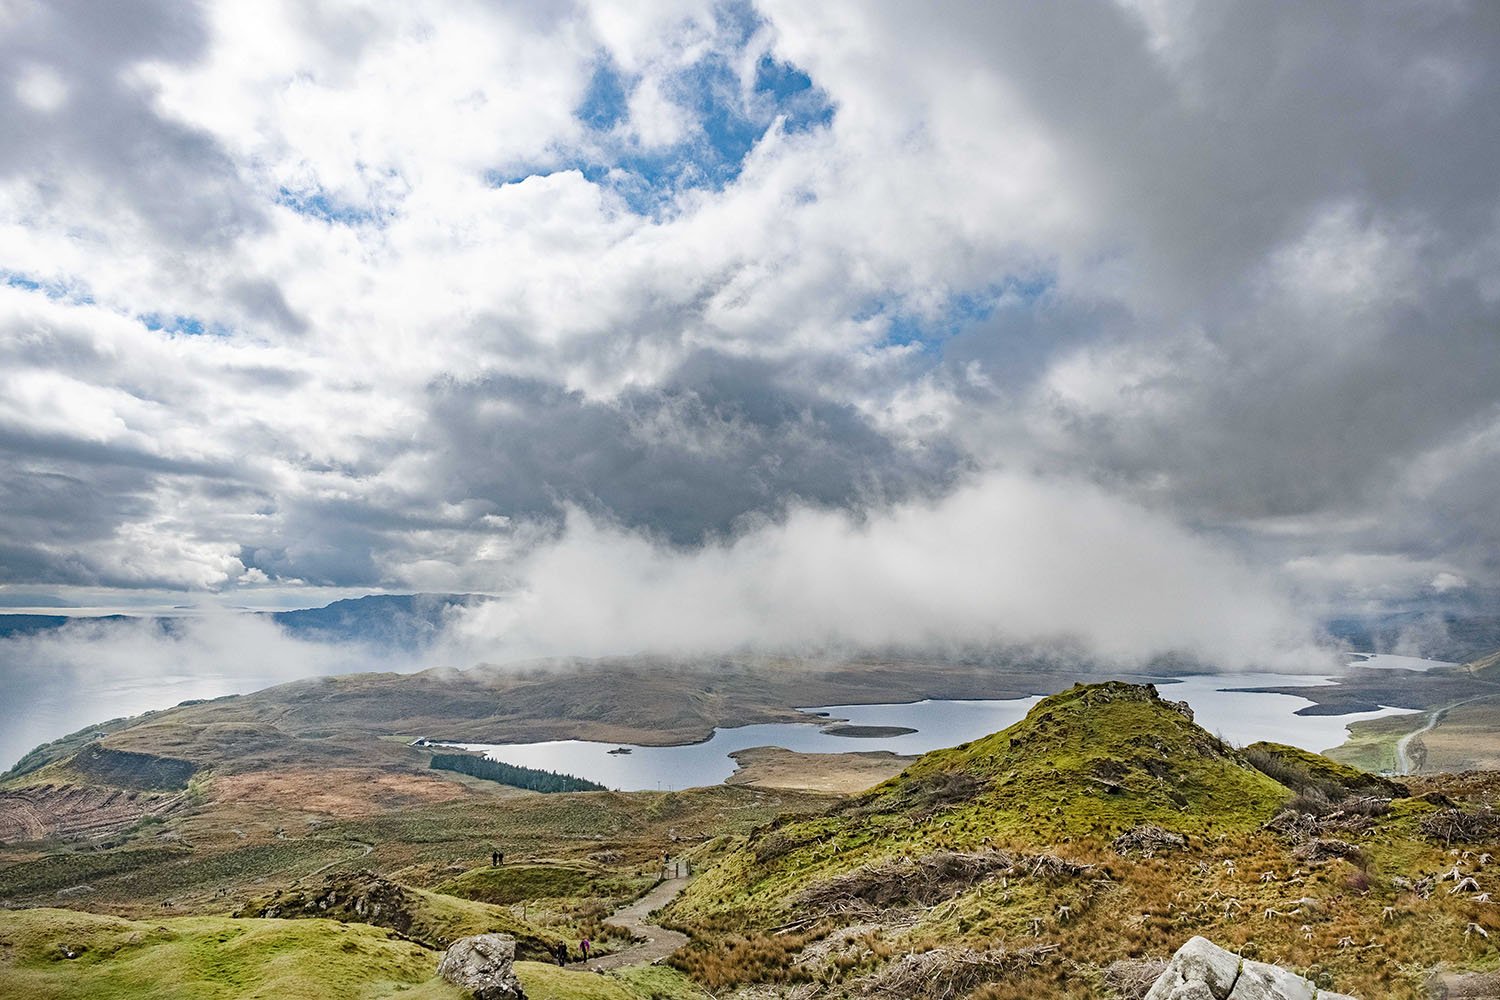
584	946
562	953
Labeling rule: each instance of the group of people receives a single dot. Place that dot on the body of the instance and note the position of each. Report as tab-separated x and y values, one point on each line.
584	947
497	858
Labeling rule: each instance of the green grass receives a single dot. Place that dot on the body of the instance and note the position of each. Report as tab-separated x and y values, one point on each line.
223	958
660	982
516	883
1371	745
548	982
208	958
640	982
432	919
70	868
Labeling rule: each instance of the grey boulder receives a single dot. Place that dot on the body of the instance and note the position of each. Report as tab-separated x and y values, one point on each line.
1201	970
485	966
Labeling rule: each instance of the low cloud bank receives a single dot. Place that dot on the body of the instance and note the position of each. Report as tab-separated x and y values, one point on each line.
1008	559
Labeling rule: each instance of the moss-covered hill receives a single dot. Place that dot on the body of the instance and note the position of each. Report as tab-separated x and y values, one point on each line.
1091	762
1094	760
1104	825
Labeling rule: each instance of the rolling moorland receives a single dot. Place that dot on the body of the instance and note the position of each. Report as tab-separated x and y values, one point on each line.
292	843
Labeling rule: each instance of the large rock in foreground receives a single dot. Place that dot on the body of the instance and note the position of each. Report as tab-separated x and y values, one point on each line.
484	965
1201	970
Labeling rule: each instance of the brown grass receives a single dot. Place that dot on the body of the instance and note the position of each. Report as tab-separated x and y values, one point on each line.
340	792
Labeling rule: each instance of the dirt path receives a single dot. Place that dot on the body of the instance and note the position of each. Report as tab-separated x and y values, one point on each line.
659	942
367	848
1403	760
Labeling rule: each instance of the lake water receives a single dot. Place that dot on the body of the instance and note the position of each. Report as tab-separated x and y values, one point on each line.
1391	661
1238	716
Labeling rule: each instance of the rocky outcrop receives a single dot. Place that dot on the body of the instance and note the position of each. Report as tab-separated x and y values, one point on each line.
1201	970
362	896
485	966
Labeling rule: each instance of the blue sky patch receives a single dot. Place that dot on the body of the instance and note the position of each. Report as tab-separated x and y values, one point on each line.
317	204
802	106
605	102
727	120
56	290
190	325
961	310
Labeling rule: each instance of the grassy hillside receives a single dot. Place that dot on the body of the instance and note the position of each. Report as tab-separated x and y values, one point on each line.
515	883
1104	825
432	919
1304	771
571	859
61	954
1089	763
49	954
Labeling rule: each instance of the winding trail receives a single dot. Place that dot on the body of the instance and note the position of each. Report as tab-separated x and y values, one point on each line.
367	848
1403	759
659	942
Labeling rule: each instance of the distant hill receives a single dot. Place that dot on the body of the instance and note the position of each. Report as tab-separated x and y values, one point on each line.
34	624
399	621
395	621
1455	636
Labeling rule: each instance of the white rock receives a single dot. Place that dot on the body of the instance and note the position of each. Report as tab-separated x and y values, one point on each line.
1201	970
484	965
1201	963
1259	981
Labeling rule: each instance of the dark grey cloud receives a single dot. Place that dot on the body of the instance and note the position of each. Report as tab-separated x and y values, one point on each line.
56	512
719	441
102	128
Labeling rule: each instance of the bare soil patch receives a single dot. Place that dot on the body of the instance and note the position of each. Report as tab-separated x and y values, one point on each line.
66	811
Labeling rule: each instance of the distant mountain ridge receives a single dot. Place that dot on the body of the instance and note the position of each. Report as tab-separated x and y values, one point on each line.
396	621
402	621
1455	636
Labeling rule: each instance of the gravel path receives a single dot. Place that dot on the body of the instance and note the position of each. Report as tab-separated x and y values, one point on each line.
1403	759
659	942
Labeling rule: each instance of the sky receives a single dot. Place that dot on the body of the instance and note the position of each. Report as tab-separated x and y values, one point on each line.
1145	326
